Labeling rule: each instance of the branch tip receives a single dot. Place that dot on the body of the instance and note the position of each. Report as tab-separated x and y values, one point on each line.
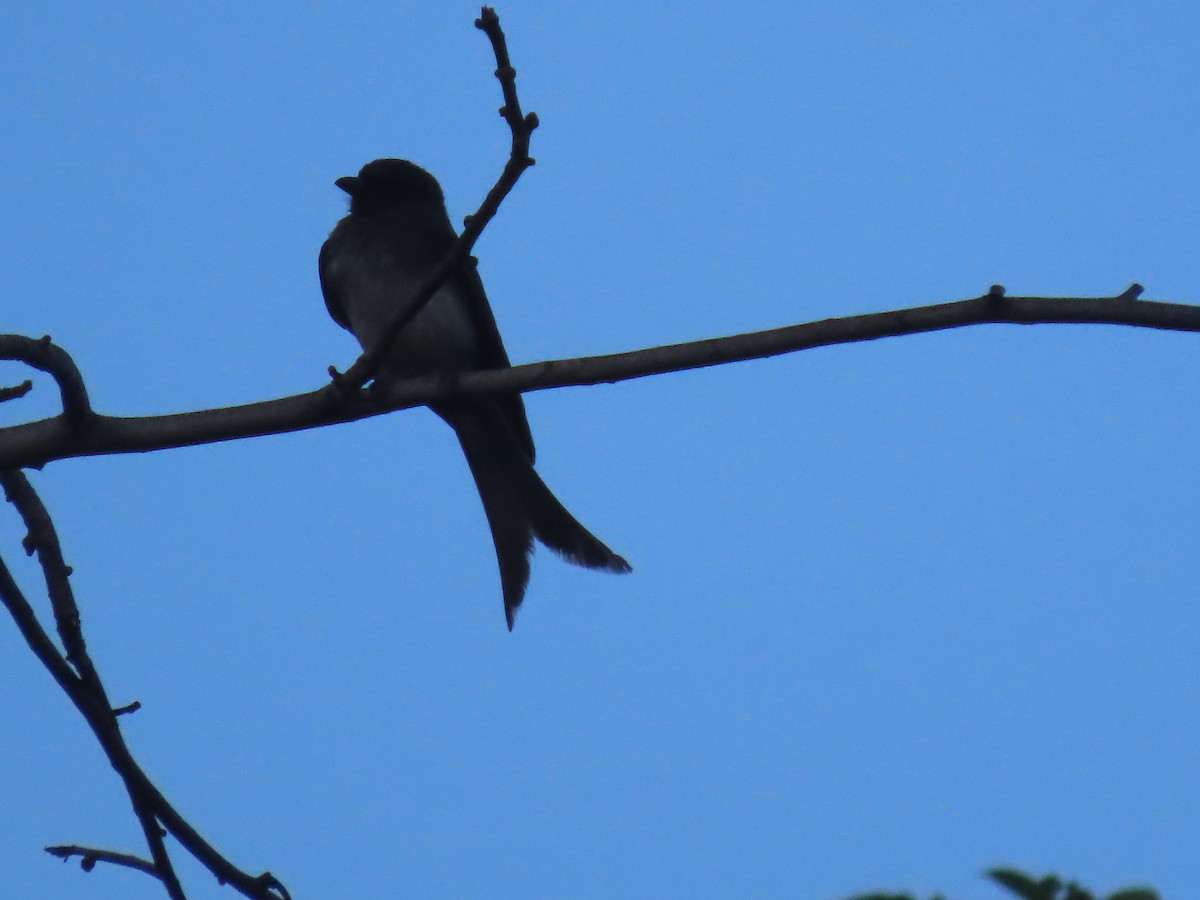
16	391
343	385
128	708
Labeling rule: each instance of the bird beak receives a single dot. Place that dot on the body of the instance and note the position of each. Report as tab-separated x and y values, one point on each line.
348	183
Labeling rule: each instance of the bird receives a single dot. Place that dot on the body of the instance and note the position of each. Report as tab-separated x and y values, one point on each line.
396	232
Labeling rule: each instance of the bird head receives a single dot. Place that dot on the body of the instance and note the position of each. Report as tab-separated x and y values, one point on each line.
390	183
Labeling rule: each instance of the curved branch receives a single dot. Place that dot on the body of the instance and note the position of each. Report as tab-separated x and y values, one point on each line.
55	361
36	443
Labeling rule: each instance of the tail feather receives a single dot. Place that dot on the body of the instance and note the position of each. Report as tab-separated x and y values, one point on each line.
517	503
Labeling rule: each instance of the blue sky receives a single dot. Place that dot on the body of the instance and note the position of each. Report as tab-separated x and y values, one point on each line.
900	611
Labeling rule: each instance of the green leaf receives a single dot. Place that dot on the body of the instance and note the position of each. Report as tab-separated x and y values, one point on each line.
1024	886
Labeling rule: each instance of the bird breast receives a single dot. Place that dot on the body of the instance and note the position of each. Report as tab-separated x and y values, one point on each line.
442	337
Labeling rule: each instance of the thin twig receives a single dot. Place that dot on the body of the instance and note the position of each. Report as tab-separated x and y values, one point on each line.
16	391
522	127
78	677
89	856
42	539
39	642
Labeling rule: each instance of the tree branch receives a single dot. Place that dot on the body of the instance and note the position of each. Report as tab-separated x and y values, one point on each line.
16	391
36	443
78	677
89	856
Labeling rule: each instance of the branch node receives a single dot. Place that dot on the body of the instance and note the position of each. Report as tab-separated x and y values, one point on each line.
269	882
128	709
1132	292
340	383
995	292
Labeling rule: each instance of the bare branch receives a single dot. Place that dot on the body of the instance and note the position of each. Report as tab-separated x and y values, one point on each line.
43	540
54	360
87	692
36	443
522	127
35	636
89	856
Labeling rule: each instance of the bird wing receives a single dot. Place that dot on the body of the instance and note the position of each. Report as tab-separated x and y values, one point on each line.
329	280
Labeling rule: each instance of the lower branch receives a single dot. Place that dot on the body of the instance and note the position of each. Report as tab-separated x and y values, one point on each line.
77	676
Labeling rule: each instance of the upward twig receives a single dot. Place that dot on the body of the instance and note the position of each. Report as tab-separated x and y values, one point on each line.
519	160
